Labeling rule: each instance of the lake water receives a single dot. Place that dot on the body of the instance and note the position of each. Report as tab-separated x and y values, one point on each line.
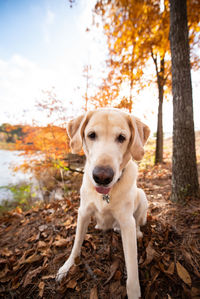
9	159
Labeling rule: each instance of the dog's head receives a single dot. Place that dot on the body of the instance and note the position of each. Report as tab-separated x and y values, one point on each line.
109	138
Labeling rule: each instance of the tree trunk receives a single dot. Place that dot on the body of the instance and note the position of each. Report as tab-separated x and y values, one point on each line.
159	135
160	73
184	167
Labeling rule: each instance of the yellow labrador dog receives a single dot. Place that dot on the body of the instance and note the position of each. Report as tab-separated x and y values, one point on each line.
111	139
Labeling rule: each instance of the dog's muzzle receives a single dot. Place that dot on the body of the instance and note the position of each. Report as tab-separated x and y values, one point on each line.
103	175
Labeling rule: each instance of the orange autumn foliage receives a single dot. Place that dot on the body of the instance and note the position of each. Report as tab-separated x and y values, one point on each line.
138	43
43	147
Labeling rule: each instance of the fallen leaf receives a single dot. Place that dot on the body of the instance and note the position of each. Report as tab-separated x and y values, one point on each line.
113	269
93	293
71	284
73	270
195	292
114	288
16	283
6	278
21	260
5	252
183	274
42	227
162	268
68	222
17	210
170	269
45	252
118	275
33	258
154	274
150	254
88	238
60	243
30	275
41	288
4	271
3	261
17	251
41	244
34	237
99	272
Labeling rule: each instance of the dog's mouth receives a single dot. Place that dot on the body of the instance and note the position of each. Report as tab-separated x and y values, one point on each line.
102	190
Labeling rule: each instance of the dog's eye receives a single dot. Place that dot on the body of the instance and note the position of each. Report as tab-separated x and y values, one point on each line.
92	135
121	138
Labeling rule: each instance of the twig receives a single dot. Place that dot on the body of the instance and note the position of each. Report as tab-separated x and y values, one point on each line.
75	170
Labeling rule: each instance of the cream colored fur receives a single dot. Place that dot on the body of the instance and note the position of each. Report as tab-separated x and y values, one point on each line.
128	204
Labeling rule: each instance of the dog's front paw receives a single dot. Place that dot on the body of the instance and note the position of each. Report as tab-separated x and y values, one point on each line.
62	272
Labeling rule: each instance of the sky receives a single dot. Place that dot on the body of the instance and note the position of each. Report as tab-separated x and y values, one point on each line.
44	45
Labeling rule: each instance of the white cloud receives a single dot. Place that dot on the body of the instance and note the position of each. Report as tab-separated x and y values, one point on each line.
21	83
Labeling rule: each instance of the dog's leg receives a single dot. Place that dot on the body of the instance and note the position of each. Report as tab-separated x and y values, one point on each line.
82	225
129	240
141	212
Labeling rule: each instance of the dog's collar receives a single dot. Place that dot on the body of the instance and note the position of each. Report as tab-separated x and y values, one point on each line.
107	197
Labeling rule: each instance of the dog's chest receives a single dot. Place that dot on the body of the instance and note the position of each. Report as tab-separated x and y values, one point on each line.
104	217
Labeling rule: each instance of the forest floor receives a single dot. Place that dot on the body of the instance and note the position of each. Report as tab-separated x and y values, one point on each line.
35	243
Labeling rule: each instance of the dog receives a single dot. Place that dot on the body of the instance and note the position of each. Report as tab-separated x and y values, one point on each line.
111	139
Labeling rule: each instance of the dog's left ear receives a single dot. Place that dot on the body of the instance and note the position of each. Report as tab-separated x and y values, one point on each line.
75	130
140	134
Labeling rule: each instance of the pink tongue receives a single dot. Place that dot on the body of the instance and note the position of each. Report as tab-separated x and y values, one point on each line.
102	190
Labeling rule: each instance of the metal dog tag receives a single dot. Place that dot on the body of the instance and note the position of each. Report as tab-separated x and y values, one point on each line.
106	197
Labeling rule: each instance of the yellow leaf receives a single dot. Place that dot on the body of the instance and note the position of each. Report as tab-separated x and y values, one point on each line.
183	274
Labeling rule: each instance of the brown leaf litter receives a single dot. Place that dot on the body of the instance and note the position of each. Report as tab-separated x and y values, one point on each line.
34	244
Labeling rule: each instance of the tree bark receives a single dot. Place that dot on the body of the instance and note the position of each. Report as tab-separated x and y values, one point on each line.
184	167
159	134
160	73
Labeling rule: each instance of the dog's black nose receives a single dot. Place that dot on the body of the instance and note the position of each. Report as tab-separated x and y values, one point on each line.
103	175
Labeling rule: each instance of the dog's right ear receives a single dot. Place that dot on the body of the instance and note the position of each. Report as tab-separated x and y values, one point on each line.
141	134
75	130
